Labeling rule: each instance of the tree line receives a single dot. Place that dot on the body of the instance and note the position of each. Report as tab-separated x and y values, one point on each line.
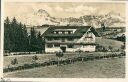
17	39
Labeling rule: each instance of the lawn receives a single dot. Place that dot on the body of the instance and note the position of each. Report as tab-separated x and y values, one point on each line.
23	59
105	68
109	42
45	57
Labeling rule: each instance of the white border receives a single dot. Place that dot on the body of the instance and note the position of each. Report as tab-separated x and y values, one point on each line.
65	1
62	79
1	44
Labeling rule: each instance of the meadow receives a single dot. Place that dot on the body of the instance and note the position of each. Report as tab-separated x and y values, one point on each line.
104	68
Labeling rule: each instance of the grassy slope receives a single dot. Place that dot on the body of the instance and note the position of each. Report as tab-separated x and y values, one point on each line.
28	59
99	68
22	59
109	42
106	68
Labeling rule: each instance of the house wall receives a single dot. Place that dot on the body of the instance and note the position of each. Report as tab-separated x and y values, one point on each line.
88	37
89	48
83	48
90	40
54	49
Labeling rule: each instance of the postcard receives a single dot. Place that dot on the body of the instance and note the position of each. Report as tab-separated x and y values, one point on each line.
63	40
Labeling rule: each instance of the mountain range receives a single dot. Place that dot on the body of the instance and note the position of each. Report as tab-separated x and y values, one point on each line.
42	17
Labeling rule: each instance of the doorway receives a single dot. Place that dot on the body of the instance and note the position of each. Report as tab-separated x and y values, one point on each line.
63	48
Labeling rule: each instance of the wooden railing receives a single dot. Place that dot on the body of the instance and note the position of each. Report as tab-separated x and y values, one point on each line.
61	62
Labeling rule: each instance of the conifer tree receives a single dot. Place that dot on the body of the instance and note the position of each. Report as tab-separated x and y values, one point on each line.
33	40
16	38
39	42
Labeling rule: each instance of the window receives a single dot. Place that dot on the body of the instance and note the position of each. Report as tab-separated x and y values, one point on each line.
49	45
55	32
70	46
60	32
70	39
56	45
63	32
69	32
66	32
49	39
56	38
63	40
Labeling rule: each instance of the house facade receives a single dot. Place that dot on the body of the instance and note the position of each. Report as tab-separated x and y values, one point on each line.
70	39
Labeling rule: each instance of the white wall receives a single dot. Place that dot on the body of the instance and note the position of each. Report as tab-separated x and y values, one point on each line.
85	39
70	49
88	48
84	48
52	49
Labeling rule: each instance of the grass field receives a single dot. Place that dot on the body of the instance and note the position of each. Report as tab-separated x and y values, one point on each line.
22	59
109	42
105	68
42	57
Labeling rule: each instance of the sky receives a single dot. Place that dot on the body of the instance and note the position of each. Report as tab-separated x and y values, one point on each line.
63	9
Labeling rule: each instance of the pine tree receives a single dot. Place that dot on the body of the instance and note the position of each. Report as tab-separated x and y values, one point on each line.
15	36
7	42
26	38
33	40
39	42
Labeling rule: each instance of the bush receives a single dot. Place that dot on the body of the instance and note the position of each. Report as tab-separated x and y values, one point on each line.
59	54
14	61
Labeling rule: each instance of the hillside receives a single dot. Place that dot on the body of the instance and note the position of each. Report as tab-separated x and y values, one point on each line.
105	68
109	42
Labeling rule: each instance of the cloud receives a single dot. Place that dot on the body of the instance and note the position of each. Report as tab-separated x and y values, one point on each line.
63	9
58	8
81	9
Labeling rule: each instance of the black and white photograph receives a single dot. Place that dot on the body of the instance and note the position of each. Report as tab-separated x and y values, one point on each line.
64	40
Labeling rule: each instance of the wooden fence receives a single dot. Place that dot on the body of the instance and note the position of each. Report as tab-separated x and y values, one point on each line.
61	62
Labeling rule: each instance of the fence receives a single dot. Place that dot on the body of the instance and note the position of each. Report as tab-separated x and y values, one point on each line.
61	62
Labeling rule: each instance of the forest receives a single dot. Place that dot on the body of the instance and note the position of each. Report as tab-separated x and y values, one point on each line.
17	39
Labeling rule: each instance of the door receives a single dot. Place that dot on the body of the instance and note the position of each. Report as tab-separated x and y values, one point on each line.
63	48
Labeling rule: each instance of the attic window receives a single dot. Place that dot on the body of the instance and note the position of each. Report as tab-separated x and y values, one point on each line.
55	32
69	32
60	32
66	32
63	32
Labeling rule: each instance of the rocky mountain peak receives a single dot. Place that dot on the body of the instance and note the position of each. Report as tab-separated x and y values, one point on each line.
42	12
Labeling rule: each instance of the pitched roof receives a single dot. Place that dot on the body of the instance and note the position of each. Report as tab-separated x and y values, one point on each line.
80	30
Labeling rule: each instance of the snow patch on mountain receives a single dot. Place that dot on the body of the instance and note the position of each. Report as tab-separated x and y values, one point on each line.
41	17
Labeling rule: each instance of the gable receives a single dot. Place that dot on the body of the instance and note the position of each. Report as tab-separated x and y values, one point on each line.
94	32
